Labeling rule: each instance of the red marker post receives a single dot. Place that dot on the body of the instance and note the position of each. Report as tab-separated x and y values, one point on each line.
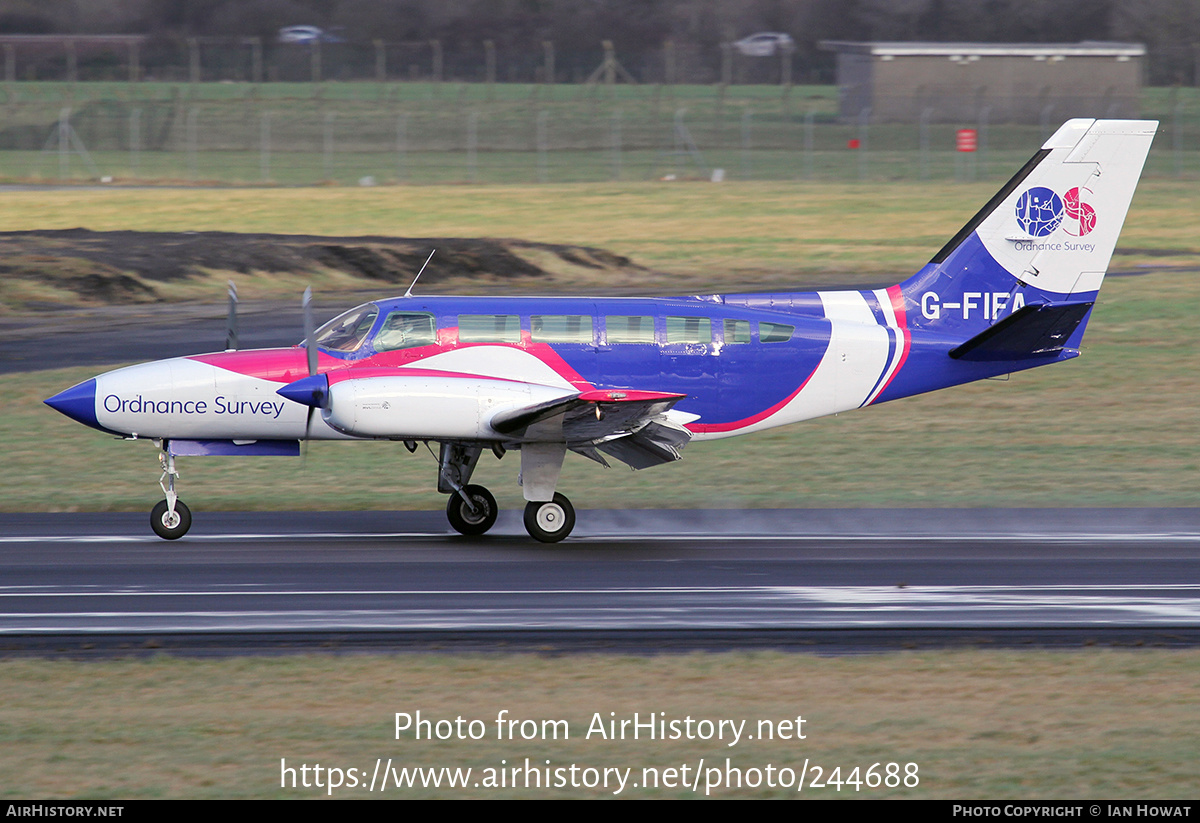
966	140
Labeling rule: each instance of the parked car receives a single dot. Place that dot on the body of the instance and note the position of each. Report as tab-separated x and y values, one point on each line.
307	34
764	44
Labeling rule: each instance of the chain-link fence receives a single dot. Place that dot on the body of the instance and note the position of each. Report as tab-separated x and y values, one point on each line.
422	132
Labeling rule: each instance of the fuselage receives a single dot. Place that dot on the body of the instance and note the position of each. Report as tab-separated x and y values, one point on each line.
742	362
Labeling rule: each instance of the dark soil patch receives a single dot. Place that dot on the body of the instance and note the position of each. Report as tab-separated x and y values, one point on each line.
122	266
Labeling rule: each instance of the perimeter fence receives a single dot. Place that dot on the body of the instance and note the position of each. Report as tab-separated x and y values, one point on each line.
380	133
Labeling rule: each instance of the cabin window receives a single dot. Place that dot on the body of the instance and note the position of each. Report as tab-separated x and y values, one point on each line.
689	330
489	328
560	328
347	331
629	329
406	330
737	331
775	332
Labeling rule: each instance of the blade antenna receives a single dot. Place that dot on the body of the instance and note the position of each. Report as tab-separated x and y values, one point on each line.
418	277
231	322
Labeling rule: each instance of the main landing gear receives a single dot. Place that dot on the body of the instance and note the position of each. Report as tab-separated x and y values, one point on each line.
169	518
552	521
472	509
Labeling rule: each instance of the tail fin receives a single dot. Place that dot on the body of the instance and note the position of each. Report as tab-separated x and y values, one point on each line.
1044	240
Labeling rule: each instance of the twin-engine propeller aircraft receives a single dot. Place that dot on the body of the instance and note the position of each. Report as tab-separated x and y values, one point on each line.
635	380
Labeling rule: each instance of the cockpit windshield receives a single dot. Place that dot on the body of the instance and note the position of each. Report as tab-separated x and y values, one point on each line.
346	332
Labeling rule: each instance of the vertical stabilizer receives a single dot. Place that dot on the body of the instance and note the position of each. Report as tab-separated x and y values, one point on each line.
1045	238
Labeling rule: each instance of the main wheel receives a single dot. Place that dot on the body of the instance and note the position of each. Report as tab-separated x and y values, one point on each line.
550	522
170	526
465	521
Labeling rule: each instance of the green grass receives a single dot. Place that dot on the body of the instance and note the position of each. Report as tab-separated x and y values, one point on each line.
978	725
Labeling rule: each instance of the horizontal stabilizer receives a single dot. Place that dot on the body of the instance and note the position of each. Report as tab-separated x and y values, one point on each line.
1036	330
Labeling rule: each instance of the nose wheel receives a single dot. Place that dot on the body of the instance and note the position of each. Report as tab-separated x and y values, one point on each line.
168	524
550	521
472	511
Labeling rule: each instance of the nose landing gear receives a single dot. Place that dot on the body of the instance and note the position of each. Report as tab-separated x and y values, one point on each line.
169	518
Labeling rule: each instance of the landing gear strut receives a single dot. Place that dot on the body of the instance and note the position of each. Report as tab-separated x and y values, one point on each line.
169	518
472	510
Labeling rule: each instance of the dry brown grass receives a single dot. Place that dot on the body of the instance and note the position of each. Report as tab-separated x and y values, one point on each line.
979	725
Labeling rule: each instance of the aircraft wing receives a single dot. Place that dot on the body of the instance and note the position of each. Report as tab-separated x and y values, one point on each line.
630	426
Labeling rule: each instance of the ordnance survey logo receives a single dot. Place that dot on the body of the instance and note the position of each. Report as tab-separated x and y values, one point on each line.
1040	211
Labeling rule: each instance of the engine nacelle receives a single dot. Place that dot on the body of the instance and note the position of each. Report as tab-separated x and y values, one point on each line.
428	407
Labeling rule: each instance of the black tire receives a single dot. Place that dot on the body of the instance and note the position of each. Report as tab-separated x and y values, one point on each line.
463	520
163	525
550	522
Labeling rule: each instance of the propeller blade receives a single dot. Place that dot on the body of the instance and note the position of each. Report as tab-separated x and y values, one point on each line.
231	323
309	343
310	346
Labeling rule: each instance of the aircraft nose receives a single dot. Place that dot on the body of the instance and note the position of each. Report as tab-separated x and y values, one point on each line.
77	403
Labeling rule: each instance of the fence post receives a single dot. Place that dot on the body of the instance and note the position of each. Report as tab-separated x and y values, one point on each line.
726	65
472	145
264	146
135	116
436	46
746	121
402	147
616	144
864	121
72	66
489	67
192	116
669	62
808	145
133	62
193	60
548	49
256	68
984	115
328	165
10	63
541	140
64	143
314	58
1177	134
926	113
380	61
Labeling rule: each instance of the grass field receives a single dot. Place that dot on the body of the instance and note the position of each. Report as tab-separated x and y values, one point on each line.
1027	726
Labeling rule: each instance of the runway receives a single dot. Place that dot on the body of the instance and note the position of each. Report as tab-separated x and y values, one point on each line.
829	579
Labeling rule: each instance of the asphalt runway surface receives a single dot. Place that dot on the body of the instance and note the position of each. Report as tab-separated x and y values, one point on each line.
826	580
830	580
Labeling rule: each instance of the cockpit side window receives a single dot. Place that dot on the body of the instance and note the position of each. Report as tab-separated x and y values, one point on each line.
346	332
405	330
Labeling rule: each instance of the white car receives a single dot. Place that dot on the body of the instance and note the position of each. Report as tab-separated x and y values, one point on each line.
764	44
306	34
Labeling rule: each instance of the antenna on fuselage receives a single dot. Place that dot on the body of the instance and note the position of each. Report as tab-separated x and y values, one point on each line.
418	277
231	322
